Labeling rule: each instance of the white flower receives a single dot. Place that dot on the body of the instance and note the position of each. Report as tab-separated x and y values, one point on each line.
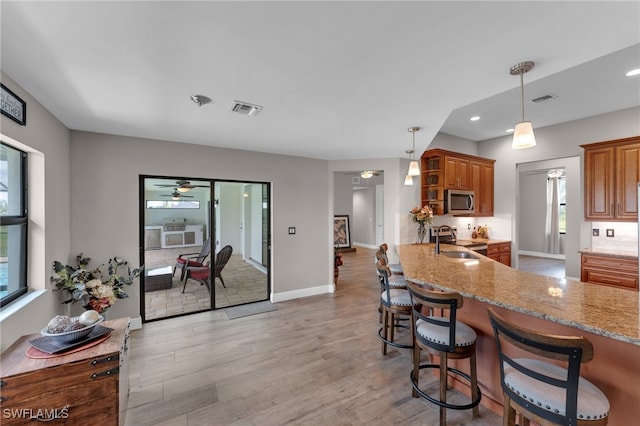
93	283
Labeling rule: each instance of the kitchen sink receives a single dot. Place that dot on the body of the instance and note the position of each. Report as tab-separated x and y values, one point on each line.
459	254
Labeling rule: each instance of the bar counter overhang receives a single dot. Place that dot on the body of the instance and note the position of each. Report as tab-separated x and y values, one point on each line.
609	317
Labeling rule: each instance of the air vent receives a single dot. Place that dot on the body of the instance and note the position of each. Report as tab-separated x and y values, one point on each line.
245	108
544	98
355	180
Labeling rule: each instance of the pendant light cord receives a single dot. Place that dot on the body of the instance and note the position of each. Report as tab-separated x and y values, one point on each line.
522	92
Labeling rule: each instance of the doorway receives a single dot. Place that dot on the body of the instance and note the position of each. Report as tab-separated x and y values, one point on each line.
222	228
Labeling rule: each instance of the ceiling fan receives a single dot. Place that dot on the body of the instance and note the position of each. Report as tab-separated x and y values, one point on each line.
175	195
181	185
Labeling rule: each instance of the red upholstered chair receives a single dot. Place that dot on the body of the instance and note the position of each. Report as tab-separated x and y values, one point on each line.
192	259
203	273
198	273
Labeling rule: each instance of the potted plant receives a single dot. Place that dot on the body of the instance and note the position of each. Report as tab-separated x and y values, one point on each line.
337	261
97	289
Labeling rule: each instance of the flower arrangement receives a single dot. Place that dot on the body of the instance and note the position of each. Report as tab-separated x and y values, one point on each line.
422	215
98	290
337	257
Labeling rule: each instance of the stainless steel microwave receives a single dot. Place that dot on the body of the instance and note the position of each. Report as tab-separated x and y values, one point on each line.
459	202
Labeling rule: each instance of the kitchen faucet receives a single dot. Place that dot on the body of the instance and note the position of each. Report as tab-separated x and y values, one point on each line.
438	230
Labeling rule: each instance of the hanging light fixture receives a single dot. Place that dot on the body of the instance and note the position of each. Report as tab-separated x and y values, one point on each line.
414	167
408	180
366	174
523	136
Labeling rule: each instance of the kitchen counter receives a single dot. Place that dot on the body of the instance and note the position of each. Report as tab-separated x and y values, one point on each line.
607	316
616	315
475	241
618	254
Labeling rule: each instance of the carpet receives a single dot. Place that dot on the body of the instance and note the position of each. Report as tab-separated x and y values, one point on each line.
249	309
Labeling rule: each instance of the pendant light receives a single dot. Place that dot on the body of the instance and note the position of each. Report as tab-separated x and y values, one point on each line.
414	167
408	180
523	136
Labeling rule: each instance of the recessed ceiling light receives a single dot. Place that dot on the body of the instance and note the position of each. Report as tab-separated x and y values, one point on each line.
633	72
475	118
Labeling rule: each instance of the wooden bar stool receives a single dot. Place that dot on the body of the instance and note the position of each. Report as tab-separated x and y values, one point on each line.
394	302
446	338
395	268
541	391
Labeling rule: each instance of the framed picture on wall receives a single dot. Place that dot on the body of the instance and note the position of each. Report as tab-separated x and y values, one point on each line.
341	231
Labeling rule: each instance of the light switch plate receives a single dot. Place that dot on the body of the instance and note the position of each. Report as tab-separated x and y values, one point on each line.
292	230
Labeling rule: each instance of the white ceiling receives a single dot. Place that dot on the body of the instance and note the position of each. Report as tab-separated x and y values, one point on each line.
337	80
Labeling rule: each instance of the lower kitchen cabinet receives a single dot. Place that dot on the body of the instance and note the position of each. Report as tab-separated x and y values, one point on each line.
609	270
500	252
90	386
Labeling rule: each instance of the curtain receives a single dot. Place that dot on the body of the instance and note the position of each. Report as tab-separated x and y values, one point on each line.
552	231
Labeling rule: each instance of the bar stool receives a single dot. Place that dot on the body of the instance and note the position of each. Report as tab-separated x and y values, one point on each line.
541	391
394	302
395	268
446	338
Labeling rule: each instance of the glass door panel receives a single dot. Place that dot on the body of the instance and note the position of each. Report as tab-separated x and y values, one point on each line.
240	209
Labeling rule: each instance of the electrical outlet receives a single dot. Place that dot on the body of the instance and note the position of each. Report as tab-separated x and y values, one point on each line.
610	233
595	232
468	227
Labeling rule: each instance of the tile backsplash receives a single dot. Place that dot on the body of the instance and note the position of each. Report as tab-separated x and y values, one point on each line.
625	236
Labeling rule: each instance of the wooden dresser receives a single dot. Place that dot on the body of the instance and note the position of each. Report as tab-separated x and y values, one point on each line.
86	387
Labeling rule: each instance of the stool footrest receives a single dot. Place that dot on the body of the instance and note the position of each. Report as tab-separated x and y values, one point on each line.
423	394
392	343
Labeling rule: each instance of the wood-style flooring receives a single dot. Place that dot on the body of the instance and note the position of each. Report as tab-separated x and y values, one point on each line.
314	361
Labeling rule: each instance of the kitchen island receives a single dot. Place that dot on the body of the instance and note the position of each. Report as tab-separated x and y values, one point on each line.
607	316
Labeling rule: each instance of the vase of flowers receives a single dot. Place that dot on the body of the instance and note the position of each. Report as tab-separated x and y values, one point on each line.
421	216
97	289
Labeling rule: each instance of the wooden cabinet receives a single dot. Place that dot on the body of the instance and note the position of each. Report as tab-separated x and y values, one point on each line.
443	170
90	386
612	172
456	173
500	252
482	186
609	270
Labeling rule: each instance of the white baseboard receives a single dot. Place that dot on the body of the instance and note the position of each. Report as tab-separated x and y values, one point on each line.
369	246
305	292
542	254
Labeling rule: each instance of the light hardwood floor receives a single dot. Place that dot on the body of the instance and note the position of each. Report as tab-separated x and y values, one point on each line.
314	361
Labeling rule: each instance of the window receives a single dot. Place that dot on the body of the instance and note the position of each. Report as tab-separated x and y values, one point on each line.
562	199
13	223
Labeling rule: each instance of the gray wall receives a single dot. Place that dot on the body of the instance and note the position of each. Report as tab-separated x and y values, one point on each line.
47	140
553	142
105	215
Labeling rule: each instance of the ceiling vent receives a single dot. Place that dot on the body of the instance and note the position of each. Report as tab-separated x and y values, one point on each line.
245	108
355	180
544	98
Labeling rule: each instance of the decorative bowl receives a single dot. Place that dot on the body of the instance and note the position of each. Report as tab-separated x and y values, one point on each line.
73	335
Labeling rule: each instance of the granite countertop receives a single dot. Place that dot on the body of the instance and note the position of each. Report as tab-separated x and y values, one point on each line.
603	310
619	254
471	241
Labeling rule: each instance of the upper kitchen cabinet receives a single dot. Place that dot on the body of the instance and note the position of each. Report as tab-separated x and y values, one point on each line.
443	170
612	173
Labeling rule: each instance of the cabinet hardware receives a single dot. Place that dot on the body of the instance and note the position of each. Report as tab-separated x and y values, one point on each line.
105	373
100	361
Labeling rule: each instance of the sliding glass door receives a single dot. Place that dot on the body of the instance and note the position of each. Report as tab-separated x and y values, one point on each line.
205	244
